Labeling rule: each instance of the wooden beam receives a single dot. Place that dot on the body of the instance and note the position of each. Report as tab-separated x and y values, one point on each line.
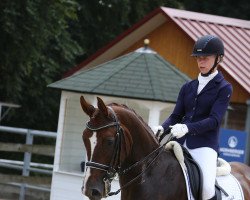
33	180
47	150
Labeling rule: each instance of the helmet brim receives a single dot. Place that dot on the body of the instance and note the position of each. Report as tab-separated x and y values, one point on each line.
202	54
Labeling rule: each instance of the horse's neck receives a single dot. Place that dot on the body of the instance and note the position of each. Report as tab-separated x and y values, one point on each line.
157	181
143	141
143	144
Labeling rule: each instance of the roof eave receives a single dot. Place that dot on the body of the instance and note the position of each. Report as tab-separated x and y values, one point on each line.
114	95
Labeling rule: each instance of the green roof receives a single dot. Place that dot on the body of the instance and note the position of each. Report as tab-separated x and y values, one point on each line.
142	74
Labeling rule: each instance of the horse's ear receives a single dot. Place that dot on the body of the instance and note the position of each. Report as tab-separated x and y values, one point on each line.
101	105
87	108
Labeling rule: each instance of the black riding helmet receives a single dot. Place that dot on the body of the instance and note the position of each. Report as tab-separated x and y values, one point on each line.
209	45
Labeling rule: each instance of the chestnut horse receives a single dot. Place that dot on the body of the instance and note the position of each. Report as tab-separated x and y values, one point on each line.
118	141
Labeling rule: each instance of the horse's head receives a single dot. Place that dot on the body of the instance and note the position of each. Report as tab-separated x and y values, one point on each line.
107	145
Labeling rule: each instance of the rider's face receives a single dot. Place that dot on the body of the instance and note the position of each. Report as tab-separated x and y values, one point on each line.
205	63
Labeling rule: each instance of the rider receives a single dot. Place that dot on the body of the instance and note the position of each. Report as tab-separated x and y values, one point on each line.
200	108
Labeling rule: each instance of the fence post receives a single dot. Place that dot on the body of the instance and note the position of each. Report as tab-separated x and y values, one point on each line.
26	164
27	155
247	129
22	192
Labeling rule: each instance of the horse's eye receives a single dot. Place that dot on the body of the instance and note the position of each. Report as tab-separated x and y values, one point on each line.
109	141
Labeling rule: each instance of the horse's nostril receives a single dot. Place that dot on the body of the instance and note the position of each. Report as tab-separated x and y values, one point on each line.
95	192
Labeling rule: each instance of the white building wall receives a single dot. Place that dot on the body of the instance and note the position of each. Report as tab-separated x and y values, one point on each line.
70	152
68	186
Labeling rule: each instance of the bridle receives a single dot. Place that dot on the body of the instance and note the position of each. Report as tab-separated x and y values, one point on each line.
114	167
110	169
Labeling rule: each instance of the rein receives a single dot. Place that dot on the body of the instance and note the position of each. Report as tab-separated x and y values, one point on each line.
160	149
111	170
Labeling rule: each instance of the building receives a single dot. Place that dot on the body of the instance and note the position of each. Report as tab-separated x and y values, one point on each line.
172	34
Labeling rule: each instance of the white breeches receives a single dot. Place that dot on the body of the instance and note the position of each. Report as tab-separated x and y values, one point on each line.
207	159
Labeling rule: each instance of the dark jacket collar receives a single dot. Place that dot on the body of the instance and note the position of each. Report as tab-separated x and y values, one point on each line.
217	79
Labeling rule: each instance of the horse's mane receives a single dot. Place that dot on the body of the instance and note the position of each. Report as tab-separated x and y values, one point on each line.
133	111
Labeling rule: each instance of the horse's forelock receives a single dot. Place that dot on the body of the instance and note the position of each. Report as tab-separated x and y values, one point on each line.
97	116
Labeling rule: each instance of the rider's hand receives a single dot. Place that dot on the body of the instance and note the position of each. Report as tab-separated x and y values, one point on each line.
158	131
179	130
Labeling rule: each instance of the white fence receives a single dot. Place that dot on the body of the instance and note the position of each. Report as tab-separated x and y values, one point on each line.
26	182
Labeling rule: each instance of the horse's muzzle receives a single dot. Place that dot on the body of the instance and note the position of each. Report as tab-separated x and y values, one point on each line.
94	191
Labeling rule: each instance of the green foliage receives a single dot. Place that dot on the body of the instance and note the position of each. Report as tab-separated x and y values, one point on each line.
42	39
35	49
103	20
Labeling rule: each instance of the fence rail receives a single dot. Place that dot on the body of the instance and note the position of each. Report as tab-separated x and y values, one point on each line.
25	181
32	164
24	131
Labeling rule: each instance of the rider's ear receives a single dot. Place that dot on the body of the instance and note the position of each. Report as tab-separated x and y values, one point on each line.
87	108
101	105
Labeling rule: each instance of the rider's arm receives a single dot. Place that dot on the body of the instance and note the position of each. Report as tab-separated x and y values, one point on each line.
178	112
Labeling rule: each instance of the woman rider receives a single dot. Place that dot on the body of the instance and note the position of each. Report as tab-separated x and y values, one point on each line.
200	108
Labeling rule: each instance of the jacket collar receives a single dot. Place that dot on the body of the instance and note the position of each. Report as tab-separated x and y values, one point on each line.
211	84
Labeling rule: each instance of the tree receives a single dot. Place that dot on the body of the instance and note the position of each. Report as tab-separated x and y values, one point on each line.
42	39
35	49
100	21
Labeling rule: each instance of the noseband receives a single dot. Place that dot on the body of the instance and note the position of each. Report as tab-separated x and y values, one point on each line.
113	169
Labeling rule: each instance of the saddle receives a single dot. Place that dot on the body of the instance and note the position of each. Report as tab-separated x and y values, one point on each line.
193	170
194	174
195	177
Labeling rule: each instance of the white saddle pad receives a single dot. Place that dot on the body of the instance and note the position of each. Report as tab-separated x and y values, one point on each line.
229	183
231	186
